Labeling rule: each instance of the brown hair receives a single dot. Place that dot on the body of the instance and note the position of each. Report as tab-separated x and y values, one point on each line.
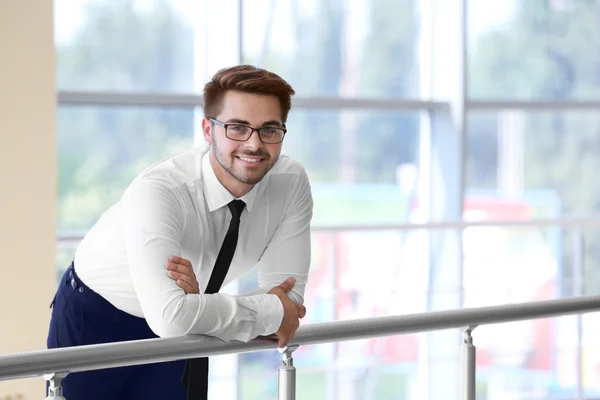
249	79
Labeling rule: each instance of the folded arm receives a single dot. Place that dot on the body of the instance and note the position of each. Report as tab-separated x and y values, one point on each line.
154	222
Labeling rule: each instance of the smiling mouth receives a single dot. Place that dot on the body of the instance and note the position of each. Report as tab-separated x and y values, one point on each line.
251	159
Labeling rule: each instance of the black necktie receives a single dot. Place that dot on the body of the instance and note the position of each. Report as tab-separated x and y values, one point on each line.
195	376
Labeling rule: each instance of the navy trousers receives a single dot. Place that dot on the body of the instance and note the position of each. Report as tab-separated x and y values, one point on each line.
81	317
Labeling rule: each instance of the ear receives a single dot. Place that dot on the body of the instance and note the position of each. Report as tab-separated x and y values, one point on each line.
206	128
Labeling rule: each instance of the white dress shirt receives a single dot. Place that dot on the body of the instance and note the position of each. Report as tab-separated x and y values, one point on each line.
178	207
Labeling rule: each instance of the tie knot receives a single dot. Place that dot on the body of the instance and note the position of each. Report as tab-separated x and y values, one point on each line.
236	207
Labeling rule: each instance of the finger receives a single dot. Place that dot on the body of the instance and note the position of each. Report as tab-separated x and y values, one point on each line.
180	268
288	284
187	288
301	310
283	341
191	282
180	260
290	337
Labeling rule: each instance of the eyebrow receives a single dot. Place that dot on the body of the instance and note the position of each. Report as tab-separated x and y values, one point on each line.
244	122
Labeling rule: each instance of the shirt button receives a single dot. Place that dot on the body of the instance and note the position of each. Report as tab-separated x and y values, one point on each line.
80	290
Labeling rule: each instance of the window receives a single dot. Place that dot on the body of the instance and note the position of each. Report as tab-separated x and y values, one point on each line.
143	45
368	166
545	163
555	152
102	149
342	48
535	51
354	159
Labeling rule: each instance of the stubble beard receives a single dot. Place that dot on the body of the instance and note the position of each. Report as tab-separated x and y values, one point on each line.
227	165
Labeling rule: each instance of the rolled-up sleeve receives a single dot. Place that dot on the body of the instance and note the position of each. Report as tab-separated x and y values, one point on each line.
154	221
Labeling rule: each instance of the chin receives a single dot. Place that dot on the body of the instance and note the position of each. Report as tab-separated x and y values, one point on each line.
250	178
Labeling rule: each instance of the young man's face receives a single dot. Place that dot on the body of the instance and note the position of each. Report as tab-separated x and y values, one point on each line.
241	164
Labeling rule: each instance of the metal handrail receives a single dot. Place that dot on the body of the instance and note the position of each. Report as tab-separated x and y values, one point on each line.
592	220
91	357
461	225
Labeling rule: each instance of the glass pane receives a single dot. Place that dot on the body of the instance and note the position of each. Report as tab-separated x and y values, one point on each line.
100	150
534	49
142	45
342	47
535	360
343	288
356	161
549	157
356	177
65	250
529	165
502	265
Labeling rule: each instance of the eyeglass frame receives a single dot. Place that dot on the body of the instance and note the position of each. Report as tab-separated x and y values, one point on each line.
224	125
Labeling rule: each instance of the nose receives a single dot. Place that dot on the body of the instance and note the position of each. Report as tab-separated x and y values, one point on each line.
254	141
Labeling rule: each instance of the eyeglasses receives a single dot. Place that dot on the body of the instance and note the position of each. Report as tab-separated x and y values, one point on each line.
241	133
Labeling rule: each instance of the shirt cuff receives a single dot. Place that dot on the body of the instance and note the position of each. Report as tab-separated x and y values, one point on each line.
270	315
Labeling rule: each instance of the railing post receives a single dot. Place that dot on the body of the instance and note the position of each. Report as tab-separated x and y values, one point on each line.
55	389
469	365
287	374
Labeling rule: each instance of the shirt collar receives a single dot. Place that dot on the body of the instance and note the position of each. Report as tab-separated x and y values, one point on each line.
215	193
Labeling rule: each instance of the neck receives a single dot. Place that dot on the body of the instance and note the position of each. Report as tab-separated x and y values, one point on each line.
233	186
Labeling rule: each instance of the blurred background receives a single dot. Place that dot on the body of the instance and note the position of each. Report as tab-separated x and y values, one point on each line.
412	118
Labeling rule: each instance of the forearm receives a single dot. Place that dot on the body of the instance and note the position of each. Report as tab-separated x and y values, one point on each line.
256	292
169	311
265	290
235	317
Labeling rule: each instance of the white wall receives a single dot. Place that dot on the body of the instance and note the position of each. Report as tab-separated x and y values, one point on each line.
28	182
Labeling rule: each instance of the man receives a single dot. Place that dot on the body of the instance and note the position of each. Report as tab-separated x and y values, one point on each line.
153	263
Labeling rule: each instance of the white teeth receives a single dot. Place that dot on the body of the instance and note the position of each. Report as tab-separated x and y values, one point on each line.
254	160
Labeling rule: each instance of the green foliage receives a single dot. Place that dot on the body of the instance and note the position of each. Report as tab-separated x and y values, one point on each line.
541	54
316	67
101	149
353	145
388	69
125	49
545	53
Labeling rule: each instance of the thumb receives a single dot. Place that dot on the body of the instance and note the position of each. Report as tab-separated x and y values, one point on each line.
282	341
301	310
288	284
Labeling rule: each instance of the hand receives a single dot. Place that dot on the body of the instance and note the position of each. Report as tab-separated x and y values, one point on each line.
182	272
292	312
